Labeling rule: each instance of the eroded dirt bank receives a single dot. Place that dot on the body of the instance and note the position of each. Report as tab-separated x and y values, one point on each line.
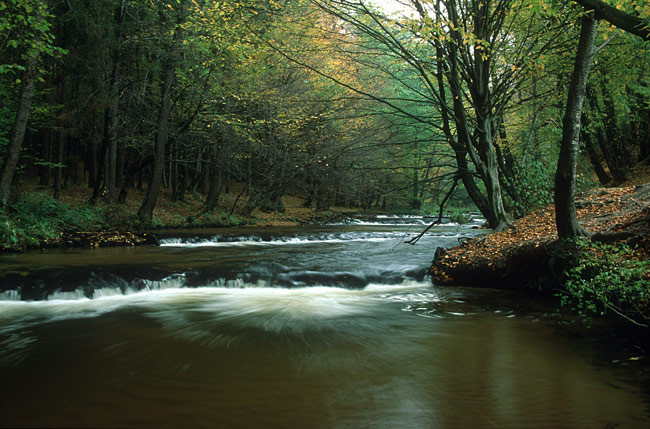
529	256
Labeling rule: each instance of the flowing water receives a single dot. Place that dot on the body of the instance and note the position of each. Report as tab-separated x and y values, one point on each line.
326	327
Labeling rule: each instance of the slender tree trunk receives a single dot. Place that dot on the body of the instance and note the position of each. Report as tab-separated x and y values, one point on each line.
102	161
205	173
62	124
614	134
113	123
594	158
112	170
44	170
565	175
58	171
145	213
416	204
216	183
92	158
18	134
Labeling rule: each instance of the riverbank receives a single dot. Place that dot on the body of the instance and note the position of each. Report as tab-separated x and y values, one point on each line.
40	221
607	273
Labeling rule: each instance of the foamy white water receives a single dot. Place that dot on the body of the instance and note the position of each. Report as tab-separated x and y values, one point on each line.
269	308
258	241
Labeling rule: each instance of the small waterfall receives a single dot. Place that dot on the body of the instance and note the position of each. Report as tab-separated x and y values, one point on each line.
67	296
254	240
10	295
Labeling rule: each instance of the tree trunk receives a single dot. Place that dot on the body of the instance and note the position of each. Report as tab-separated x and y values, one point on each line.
614	134
212	199
565	175
630	23
216	183
114	93
482	99
44	170
603	137
18	134
594	157
113	122
490	174
91	157
145	213
485	160
459	148
416	204
58	171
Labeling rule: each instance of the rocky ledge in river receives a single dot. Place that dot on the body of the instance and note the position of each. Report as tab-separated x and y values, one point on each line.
529	256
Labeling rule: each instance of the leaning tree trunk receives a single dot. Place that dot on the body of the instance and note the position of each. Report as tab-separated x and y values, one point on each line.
18	134
565	175
145	213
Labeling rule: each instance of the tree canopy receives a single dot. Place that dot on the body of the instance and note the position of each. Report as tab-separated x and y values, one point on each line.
336	101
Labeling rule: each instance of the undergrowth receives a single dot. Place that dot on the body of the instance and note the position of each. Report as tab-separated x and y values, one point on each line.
608	279
38	216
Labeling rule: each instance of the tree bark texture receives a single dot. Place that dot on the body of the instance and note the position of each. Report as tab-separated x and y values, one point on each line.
565	180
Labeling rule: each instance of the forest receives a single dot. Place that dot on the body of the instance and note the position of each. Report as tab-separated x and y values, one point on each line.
410	106
209	212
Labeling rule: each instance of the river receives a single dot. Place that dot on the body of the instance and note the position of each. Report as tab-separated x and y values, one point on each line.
322	327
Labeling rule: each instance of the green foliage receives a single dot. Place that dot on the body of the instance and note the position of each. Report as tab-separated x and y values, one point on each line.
37	217
536	184
608	279
218	218
458	215
25	25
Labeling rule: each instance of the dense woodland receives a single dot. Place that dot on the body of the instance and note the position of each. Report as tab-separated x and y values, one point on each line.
446	102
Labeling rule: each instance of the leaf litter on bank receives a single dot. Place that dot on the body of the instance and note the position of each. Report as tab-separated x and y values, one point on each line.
608	210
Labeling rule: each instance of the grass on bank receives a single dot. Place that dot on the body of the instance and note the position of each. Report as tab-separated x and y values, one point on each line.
38	216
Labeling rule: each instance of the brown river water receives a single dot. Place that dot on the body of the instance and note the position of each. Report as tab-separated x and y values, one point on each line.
321	327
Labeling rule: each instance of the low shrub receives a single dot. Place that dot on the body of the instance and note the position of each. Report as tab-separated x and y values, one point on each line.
608	279
458	215
38	216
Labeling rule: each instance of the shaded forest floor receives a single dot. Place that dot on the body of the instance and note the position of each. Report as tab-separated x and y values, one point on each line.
116	224
524	257
174	214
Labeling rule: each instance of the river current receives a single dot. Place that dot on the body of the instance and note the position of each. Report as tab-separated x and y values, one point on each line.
322	327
